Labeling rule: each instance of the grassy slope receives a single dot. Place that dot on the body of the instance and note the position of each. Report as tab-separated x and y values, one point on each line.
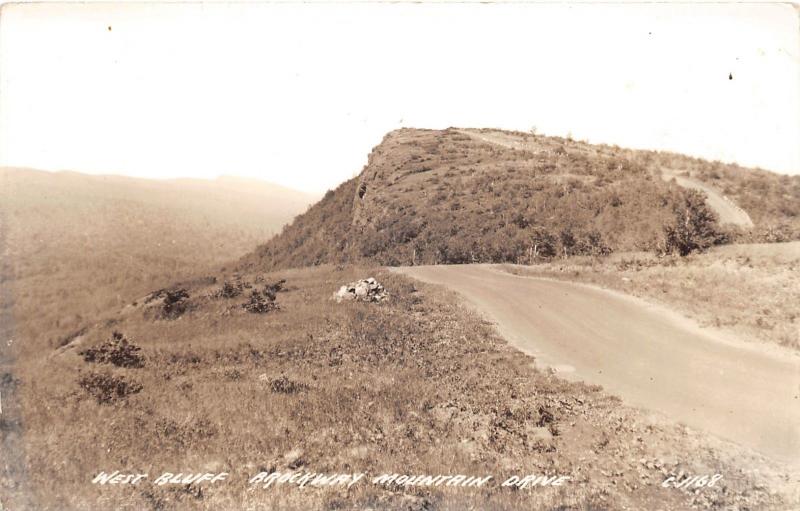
772	200
752	291
78	244
417	384
443	196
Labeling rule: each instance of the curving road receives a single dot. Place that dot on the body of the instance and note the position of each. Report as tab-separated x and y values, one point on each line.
726	210
647	355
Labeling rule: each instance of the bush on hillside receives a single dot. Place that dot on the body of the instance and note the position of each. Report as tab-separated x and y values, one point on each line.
261	301
117	351
694	226
107	388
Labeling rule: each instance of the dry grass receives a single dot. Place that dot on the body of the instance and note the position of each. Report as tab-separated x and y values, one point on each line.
772	200
76	245
753	291
73	246
414	385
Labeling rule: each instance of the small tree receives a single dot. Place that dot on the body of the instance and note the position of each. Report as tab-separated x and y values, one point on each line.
694	225
567	241
543	244
595	244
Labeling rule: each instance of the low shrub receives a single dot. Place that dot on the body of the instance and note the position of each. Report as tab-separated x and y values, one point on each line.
107	388
116	351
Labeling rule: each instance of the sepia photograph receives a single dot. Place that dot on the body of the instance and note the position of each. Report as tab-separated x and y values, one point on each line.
399	256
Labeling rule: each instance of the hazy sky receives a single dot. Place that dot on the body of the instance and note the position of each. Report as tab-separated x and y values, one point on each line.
298	94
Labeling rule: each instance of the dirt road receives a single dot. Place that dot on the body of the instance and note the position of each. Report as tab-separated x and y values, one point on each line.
728	212
647	355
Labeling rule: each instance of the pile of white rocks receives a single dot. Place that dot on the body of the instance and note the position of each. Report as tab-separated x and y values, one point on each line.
364	290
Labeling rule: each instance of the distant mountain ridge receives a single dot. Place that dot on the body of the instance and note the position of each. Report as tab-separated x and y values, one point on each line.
456	196
103	239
